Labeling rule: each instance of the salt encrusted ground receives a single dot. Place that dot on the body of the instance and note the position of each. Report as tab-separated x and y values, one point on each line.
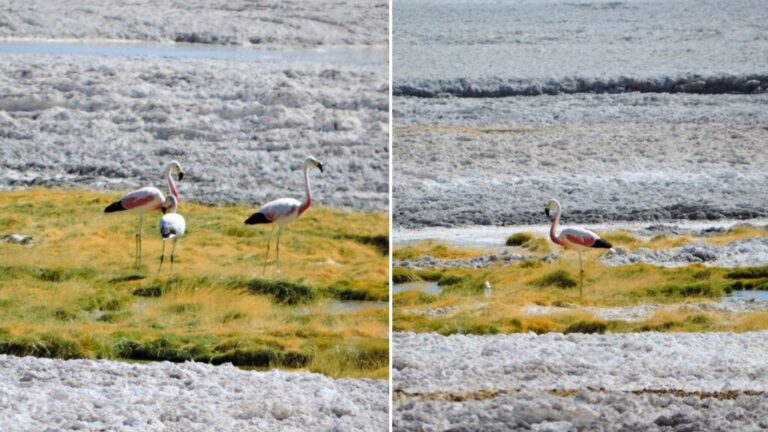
486	48
44	394
241	129
640	381
262	23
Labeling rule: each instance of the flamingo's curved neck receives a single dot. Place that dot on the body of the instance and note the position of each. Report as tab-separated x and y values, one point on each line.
171	184
553	228
172	208
308	198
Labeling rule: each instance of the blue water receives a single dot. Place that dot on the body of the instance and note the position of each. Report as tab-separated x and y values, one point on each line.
332	55
750	295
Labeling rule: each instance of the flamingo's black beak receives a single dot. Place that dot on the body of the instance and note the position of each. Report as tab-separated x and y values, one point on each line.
546	211
319	165
181	175
165	210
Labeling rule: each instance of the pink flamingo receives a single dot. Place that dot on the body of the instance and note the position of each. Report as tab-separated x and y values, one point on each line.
283	211
578	239
146	200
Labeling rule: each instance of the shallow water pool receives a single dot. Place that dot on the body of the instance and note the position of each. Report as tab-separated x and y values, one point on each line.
425	287
749	295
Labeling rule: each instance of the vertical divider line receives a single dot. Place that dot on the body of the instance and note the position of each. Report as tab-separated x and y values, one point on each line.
391	209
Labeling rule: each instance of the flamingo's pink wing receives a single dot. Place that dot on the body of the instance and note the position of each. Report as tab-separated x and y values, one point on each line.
279	208
580	237
139	198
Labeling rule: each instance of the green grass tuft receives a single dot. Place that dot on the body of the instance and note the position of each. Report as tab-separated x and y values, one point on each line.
586	327
558	278
748	273
519	239
282	292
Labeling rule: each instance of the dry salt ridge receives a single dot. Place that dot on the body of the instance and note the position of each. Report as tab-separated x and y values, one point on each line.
230	22
559	382
45	394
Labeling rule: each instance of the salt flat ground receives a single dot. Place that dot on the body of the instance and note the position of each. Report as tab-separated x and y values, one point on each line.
481	47
626	111
636	381
241	129
222	22
44	394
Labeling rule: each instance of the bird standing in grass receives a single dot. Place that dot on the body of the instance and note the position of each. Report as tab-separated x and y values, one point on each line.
578	239
172	226
283	211
146	200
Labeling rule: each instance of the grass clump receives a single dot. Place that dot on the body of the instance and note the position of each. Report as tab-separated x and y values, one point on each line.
148	291
587	327
409	298
43	345
558	278
349	291
404	275
698	289
282	292
519	239
748	273
379	242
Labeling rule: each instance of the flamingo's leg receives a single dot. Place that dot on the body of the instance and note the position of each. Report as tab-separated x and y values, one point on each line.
173	250
269	242
162	258
138	240
581	283
279	233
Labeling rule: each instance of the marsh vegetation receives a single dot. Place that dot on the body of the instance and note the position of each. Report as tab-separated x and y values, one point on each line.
72	292
553	285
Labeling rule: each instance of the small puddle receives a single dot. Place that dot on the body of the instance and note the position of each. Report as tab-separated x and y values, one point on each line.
341	306
749	295
425	287
329	55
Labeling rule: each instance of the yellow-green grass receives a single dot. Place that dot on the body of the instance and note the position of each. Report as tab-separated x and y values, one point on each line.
435	249
74	293
533	282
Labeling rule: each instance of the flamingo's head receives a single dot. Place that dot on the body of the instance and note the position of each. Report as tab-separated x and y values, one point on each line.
170	204
312	162
552	205
174	165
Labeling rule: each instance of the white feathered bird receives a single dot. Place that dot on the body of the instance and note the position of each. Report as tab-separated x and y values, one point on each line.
172	226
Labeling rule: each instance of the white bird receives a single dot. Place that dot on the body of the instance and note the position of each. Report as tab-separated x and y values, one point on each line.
487	289
146	200
172	226
283	211
578	239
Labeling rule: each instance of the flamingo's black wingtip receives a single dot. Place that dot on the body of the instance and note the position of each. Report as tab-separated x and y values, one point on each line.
257	218
114	207
600	243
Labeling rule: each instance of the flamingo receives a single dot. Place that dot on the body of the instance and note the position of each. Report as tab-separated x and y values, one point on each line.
172	226
283	211
578	239
146	200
